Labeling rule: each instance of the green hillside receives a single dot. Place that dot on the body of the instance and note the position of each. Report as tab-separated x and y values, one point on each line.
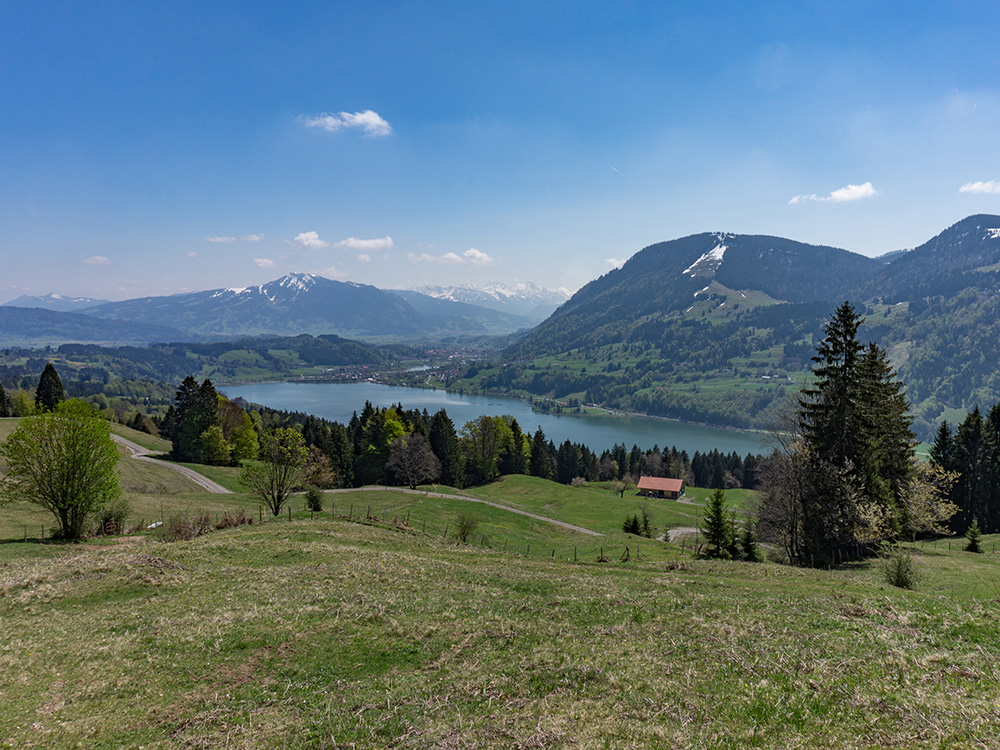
329	633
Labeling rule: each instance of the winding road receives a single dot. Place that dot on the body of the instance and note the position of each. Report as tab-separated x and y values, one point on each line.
144	454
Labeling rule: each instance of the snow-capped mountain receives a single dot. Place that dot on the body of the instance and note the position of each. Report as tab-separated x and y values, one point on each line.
523	298
307	303
57	302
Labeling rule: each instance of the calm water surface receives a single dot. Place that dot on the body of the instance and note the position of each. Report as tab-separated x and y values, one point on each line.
338	401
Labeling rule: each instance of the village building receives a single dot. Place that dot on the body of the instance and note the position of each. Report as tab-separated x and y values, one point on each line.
671	489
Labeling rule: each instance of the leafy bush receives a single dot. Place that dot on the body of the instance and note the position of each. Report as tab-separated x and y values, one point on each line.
578	482
900	569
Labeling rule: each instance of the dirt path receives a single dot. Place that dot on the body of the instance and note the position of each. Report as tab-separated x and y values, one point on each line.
470	499
673	534
144	454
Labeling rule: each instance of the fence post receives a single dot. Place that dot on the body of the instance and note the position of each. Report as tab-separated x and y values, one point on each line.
350	516
574	553
333	511
260	512
445	535
289	511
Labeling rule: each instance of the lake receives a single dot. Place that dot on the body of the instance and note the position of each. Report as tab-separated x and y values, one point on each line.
338	401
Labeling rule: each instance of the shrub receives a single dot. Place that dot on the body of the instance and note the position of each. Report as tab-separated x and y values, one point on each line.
900	569
578	482
238	518
314	498
632	525
465	527
179	528
112	517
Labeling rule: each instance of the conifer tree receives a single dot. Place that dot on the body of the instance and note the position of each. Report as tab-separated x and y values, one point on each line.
49	392
5	403
718	527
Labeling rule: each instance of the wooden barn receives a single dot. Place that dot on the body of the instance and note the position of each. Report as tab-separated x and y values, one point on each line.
671	489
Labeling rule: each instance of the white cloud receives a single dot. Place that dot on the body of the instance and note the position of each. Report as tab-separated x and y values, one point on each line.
841	195
615	262
192	254
331	273
370	123
310	240
993	186
227	239
477	257
471	257
353	243
365	257
97	260
263	262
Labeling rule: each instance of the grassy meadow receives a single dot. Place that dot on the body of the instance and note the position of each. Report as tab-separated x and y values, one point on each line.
368	626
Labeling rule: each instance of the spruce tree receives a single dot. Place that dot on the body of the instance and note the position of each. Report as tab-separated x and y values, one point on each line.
855	426
718	527
5	403
49	392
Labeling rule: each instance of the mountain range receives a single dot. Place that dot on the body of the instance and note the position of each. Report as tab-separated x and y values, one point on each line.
714	327
294	304
523	298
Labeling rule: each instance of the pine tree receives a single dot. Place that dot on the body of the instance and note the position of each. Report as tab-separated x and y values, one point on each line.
718	527
5	403
855	426
49	392
444	442
968	491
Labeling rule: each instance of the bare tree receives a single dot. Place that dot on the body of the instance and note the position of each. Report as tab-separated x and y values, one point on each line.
412	461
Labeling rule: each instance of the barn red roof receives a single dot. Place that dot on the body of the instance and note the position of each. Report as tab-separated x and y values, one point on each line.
660	484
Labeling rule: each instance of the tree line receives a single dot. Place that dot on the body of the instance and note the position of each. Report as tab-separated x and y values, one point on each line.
972	453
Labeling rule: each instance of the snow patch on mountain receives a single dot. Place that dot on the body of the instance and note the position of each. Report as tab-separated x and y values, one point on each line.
708	263
993	234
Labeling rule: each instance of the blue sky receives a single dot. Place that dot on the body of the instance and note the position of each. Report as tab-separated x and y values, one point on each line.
160	147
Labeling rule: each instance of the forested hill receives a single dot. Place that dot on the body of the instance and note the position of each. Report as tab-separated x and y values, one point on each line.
664	280
720	328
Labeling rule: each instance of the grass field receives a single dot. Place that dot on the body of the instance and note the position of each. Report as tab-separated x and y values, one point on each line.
322	633
368	626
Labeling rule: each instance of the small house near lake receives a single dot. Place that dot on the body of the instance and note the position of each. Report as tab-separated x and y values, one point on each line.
671	489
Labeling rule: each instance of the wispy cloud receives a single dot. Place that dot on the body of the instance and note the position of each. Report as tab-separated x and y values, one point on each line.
365	246
331	273
368	122
993	186
192	254
841	195
97	260
471	257
263	262
365	257
615	262
227	239
310	241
